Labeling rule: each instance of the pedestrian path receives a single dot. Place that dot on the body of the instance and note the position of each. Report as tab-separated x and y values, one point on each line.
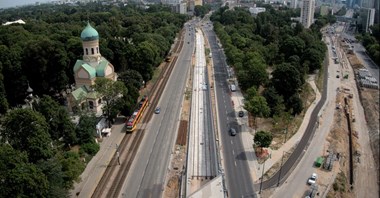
98	164
248	134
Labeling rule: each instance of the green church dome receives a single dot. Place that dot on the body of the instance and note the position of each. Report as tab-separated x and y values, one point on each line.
89	33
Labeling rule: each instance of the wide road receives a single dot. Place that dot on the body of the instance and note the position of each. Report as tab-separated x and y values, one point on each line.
238	177
147	176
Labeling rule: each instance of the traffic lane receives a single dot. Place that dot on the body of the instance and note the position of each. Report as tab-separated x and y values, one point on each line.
154	177
237	171
238	181
210	125
134	178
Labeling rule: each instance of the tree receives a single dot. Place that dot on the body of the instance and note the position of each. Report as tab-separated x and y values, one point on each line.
58	119
286	79
258	107
295	104
52	169
110	91
201	11
263	139
18	177
3	99
72	167
86	129
27	130
274	100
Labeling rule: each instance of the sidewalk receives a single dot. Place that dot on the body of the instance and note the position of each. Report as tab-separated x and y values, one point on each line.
248	134
98	164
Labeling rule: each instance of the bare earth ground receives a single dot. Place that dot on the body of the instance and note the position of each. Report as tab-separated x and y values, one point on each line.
365	136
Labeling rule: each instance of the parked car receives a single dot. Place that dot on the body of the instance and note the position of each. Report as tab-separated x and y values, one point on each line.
157	110
312	179
232	132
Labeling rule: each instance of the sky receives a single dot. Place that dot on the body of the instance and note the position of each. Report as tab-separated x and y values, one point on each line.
13	3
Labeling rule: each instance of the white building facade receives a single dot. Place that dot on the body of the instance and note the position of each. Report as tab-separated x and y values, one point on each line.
307	13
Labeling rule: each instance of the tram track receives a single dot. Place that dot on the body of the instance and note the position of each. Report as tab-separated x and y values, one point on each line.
112	182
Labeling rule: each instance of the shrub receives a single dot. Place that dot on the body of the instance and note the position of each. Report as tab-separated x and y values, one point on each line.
90	148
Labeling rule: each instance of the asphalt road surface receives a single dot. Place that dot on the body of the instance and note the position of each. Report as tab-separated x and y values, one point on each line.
147	176
238	177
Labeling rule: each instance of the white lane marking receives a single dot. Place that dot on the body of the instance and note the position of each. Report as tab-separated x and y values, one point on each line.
232	142
233	152
235	163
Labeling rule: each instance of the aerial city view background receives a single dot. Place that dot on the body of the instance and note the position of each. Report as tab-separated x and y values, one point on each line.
191	98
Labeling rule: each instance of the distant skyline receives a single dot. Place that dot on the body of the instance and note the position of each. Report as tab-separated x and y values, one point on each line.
14	3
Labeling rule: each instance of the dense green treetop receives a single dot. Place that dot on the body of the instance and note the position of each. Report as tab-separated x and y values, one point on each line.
264	48
44	50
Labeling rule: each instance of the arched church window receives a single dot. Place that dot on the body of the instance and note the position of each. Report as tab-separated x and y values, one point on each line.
86	51
92	50
97	50
100	101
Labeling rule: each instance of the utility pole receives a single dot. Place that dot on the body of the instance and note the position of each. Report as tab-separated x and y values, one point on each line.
118	157
262	177
279	174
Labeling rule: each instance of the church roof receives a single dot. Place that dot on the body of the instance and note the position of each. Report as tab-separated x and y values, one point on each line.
89	33
81	64
100	69
80	93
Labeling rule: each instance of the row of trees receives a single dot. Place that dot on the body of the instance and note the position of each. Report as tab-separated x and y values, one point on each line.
39	154
272	54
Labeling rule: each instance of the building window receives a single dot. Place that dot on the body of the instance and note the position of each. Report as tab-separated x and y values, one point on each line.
86	51
92	50
91	104
97	50
100	101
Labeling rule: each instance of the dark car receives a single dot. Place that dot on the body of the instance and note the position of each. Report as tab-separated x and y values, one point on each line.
157	110
241	113
232	132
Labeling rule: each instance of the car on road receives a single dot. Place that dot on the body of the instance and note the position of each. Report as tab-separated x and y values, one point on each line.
232	132
157	110
312	179
241	114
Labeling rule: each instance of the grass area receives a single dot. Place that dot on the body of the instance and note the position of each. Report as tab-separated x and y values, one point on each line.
319	77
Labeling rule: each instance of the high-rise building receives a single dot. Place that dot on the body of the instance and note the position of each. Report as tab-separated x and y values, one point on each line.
307	12
367	4
377	15
367	18
293	4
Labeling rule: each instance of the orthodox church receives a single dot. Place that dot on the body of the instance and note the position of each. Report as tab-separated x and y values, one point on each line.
86	71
